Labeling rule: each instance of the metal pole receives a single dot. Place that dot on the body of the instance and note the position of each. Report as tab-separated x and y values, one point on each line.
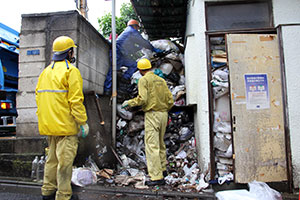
83	8
114	74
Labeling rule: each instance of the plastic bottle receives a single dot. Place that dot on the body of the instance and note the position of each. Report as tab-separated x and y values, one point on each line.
40	168
34	167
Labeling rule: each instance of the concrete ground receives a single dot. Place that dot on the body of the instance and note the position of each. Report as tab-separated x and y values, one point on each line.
12	189
24	190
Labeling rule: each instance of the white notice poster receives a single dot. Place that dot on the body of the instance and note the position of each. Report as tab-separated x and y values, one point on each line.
257	91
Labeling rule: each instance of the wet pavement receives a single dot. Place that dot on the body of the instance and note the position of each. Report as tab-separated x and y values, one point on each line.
22	190
11	189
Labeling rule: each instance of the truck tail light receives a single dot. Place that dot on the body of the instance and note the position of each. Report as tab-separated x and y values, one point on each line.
5	105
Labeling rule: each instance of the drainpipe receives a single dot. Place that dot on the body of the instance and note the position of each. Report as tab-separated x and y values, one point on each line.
114	74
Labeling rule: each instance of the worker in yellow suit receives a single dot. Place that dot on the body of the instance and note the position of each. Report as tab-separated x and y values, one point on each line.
156	100
61	116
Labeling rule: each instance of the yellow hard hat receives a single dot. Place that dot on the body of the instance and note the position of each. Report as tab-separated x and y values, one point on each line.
63	43
133	22
144	64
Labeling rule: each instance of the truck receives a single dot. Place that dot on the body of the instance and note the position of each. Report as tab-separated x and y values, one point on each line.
9	54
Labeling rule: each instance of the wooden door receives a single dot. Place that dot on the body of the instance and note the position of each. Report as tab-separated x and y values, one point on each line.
257	110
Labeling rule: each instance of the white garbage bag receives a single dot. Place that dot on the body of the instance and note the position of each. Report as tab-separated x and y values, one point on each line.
220	75
221	143
258	191
223	127
263	192
235	195
83	177
165	45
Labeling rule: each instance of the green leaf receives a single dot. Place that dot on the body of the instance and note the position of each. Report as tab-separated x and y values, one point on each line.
126	12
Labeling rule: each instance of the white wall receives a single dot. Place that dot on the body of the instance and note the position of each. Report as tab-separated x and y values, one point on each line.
196	81
288	12
291	41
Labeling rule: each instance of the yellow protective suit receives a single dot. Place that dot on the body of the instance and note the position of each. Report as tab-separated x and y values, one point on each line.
60	111
156	100
58	168
59	100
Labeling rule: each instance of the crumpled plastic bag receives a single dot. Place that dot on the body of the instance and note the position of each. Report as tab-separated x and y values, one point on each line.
136	77
185	134
221	143
263	192
202	184
226	154
170	179
235	195
173	56
177	89
136	124
121	124
147	53
258	191
220	75
125	114
83	177
165	45
166	68
219	125
181	80
226	177
219	91
128	162
215	83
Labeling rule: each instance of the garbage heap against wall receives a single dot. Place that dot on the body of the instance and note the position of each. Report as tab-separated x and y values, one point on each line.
222	120
183	171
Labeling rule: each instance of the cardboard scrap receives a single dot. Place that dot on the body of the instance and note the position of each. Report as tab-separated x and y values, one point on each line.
106	173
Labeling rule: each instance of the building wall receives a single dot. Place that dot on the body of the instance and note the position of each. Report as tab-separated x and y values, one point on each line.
284	12
291	41
197	88
38	32
287	13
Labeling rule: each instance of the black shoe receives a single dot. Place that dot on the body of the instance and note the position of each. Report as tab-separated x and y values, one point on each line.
50	197
165	173
153	183
74	197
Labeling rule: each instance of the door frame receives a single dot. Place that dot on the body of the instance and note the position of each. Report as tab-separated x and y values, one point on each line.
277	31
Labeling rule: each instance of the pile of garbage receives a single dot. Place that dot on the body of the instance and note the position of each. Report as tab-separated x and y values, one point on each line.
222	120
183	171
